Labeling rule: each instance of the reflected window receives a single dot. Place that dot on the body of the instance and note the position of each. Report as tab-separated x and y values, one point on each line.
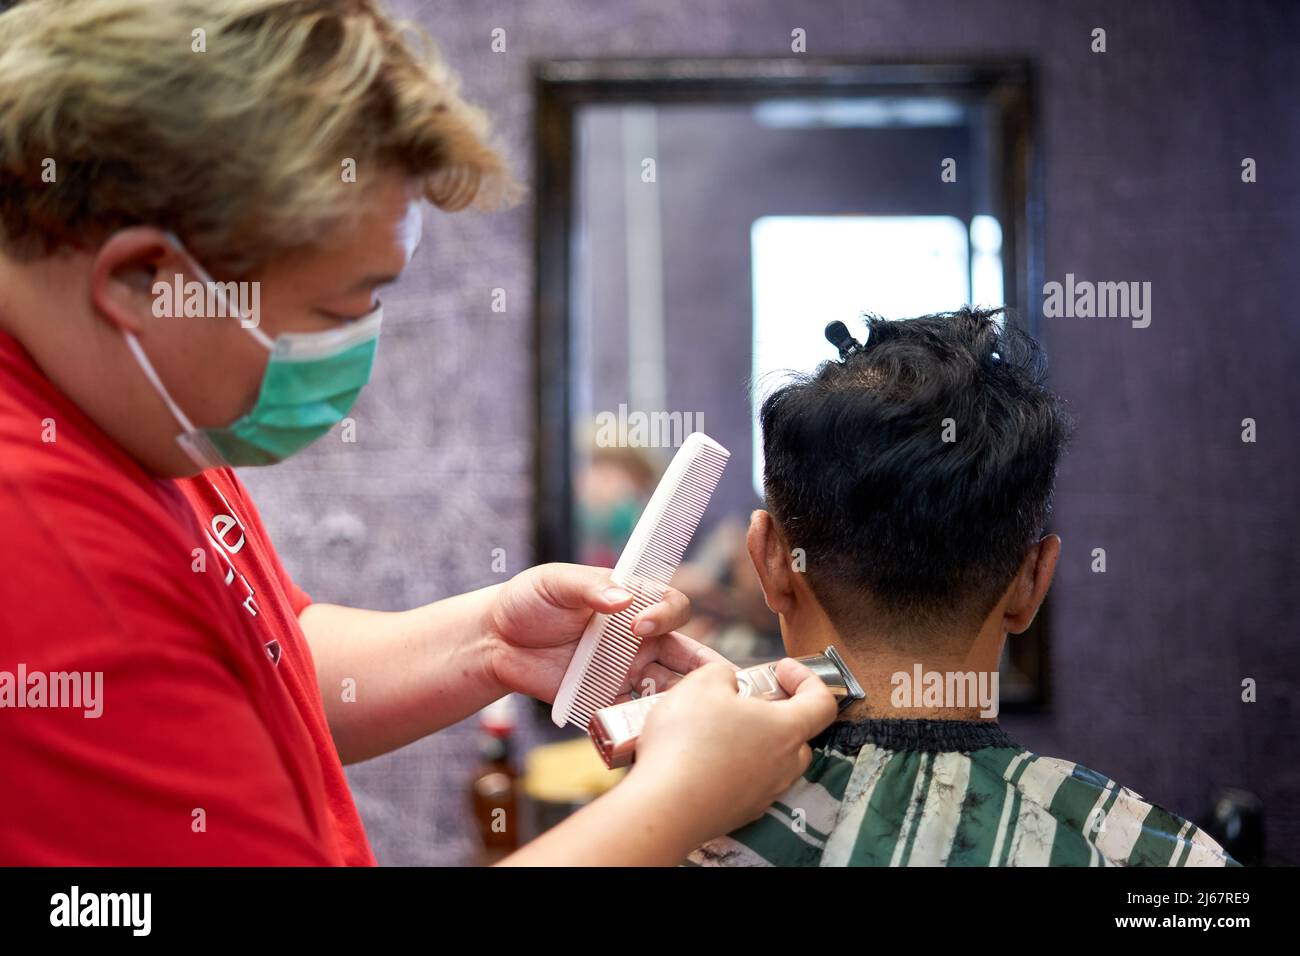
811	270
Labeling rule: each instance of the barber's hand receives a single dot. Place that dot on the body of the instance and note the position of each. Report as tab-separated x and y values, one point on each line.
538	616
712	761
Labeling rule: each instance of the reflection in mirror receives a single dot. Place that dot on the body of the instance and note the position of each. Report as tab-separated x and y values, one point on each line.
709	233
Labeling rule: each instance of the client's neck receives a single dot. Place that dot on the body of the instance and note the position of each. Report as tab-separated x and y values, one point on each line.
936	676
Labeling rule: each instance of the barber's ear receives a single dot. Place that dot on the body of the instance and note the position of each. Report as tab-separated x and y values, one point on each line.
124	273
1031	584
767	552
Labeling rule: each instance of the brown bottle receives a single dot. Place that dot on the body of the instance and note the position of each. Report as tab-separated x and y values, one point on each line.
494	793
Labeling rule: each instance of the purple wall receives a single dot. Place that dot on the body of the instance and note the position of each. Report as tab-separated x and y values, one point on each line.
1142	149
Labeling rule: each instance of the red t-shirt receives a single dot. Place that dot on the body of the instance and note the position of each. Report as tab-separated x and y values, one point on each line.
210	745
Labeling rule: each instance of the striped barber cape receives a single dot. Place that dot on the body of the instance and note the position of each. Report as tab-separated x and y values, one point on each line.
889	792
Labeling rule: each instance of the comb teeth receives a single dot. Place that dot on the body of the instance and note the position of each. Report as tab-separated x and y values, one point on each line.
598	671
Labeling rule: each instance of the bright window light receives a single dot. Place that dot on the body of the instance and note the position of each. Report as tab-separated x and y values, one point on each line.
986	262
811	270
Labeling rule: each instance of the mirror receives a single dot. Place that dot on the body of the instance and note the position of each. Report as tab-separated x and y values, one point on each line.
699	223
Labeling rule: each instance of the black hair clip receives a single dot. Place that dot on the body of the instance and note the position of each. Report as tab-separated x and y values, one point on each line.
837	333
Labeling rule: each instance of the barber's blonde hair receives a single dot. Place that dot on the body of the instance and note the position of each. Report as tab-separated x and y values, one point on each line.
239	149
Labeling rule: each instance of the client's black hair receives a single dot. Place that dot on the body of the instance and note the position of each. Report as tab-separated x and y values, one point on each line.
898	526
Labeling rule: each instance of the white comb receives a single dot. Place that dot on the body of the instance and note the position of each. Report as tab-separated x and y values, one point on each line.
604	656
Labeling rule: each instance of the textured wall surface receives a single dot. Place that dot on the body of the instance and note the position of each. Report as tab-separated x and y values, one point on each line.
1142	148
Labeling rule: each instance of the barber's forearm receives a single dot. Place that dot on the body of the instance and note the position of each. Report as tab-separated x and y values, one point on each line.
628	826
408	673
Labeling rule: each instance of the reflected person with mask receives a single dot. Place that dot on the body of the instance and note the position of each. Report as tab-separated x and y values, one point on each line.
295	154
611	492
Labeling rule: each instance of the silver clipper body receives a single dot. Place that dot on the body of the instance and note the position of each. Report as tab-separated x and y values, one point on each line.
615	730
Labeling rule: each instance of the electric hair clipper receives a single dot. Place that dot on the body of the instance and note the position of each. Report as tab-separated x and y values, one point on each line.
616	729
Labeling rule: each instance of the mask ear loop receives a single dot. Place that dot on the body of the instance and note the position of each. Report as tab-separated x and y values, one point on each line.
187	438
192	441
262	338
134	344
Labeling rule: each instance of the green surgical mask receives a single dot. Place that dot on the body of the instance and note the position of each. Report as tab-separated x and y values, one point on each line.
310	384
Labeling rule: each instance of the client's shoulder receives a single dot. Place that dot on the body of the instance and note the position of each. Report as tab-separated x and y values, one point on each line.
1095	820
793	831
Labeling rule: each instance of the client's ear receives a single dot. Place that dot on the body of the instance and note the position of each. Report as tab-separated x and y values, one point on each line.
1031	584
767	552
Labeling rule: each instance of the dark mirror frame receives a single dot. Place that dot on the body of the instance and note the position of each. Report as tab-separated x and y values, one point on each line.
563	86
